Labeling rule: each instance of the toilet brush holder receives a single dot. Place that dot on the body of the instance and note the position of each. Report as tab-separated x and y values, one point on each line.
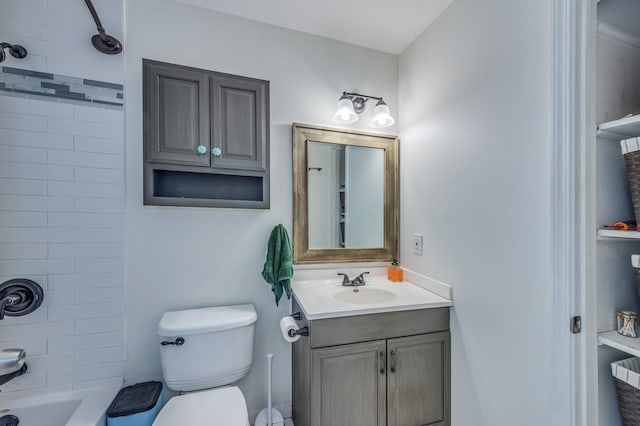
269	416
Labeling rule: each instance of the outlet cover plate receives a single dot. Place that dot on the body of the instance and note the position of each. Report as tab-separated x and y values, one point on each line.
417	244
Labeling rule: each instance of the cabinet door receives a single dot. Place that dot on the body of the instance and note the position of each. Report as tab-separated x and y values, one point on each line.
176	114
419	380
239	125
348	385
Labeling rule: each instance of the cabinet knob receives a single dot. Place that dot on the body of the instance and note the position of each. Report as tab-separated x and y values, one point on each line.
216	152
202	150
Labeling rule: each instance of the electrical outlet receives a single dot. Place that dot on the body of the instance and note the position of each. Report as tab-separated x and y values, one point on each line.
417	244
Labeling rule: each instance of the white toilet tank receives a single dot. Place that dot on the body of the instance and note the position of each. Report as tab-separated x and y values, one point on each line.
214	346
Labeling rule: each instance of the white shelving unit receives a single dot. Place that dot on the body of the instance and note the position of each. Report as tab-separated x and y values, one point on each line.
606	234
612	339
617	130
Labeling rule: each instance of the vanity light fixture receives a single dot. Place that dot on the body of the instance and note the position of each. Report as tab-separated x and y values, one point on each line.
352	104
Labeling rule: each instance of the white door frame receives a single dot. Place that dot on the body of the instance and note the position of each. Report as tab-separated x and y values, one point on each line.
574	394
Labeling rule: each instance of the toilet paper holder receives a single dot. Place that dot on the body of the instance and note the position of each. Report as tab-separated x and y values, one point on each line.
304	331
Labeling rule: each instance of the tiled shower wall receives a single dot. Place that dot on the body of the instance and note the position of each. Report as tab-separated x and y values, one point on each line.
62	192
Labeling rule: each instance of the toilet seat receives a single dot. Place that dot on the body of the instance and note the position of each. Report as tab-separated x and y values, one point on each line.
224	406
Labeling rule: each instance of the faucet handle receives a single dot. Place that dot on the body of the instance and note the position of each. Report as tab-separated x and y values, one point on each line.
359	280
345	278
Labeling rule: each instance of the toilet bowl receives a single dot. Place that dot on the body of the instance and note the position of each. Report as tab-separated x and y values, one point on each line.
202	352
223	406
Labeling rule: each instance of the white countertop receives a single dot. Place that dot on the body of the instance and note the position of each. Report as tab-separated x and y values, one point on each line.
322	295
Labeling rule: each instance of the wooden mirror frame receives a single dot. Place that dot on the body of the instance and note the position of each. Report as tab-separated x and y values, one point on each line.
303	133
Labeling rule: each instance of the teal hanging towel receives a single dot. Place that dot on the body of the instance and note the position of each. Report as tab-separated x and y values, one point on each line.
278	267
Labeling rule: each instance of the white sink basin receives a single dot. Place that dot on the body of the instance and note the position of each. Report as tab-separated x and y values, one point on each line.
328	298
364	295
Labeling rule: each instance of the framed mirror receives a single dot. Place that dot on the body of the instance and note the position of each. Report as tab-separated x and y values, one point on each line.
345	195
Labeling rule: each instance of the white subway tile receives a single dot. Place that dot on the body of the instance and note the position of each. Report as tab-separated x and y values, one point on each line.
99	325
23	187
99	115
31	62
82	128
85	189
36	106
99	205
99	295
87	341
86	159
19	154
23	122
32	346
34	331
112	74
36	235
72	281
91	235
36	203
86	250
59	297
40	279
102	145
50	362
27	381
34	139
92	265
85	220
85	174
23	251
84	374
35	171
10	25
99	356
36	266
86	311
22	219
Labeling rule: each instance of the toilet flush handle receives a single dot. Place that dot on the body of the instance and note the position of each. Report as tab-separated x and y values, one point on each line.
178	342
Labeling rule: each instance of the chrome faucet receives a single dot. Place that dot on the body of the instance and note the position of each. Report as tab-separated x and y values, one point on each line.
357	281
12	364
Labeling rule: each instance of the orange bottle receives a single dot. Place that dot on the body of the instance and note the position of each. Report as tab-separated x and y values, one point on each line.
394	272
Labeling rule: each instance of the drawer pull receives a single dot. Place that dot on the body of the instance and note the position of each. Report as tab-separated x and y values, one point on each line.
392	368
383	361
216	152
202	150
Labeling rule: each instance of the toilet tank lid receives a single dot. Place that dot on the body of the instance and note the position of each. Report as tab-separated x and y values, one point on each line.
206	320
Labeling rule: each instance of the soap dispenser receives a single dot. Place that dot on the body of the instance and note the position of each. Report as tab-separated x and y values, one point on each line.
394	272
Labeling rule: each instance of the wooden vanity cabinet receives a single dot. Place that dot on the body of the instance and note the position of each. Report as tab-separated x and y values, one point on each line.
373	370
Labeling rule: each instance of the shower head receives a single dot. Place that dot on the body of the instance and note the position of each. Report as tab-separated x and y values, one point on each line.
106	44
102	41
15	50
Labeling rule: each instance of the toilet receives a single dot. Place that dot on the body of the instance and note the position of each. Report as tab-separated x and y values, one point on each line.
202	352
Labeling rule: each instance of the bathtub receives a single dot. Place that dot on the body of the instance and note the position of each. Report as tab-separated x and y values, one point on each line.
85	407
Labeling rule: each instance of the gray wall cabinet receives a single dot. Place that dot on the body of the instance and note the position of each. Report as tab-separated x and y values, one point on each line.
388	369
206	137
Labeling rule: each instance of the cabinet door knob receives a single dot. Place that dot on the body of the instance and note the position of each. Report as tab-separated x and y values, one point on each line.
216	152
383	361
202	150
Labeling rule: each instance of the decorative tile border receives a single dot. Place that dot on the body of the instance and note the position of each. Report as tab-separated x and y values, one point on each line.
60	88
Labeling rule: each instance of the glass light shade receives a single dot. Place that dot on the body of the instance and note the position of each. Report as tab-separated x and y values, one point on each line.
344	112
381	116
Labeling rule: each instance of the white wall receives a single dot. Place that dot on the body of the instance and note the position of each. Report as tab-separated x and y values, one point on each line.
187	257
476	110
61	201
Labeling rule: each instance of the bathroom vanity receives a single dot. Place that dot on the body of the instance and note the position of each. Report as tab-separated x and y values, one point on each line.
384	360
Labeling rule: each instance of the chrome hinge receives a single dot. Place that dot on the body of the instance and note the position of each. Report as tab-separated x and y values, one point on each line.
576	324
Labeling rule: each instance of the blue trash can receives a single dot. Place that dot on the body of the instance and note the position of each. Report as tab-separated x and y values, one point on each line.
135	405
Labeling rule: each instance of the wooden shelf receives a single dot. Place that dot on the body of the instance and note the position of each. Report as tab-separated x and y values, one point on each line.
607	234
617	130
612	339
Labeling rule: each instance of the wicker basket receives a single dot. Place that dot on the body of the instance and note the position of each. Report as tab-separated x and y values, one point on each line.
632	161
626	375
